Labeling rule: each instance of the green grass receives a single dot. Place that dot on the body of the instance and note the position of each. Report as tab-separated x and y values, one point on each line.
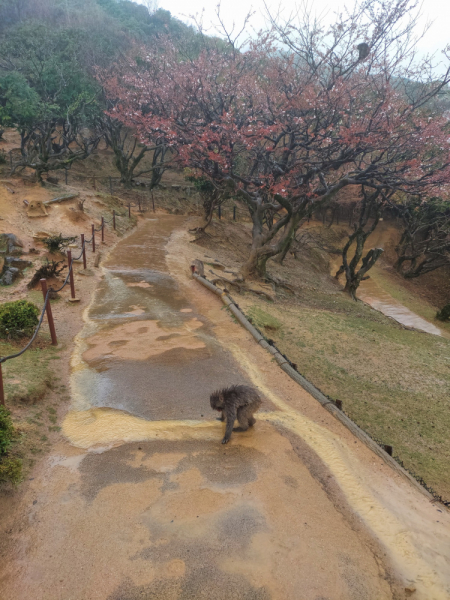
393	382
28	377
27	381
263	320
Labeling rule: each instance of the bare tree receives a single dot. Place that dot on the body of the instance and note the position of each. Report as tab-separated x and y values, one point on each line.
424	245
129	152
369	216
51	145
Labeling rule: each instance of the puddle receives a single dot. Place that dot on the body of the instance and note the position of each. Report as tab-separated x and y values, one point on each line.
143	349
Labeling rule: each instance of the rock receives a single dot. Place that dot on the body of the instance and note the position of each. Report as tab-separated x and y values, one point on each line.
53	180
10	274
41	235
410	589
17	263
10	244
36	208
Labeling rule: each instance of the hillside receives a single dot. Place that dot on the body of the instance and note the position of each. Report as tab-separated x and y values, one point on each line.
393	380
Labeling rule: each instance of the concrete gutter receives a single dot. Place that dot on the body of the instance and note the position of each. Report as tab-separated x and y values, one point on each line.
328	404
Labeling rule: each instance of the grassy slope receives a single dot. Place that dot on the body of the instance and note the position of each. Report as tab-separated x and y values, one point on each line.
28	381
395	383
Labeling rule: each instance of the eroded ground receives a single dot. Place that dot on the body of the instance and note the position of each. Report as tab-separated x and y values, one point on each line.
143	502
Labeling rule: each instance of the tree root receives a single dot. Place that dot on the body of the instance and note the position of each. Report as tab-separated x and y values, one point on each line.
241	286
280	283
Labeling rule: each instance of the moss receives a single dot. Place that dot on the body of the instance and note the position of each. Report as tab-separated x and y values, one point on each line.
263	320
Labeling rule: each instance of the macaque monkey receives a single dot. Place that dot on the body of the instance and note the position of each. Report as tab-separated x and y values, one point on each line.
199	267
236	402
363	50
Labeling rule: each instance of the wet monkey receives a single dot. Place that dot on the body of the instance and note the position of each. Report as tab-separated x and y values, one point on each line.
236	402
363	50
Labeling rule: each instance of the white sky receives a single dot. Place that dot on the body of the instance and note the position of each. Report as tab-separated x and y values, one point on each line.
437	11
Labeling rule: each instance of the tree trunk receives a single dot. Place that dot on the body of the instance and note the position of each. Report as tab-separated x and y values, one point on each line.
353	278
286	247
263	248
39	173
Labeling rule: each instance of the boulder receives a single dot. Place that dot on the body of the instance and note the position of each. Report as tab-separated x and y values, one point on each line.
17	263
10	245
10	274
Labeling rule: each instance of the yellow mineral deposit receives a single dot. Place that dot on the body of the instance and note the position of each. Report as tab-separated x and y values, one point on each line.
106	426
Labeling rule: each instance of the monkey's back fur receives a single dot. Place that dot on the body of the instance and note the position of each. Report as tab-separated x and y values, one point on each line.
236	402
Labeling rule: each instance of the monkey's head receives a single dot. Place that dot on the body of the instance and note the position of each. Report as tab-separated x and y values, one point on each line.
216	401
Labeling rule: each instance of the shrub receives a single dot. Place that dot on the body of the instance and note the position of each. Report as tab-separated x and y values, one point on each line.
11	470
18	319
444	314
7	432
57	243
10	467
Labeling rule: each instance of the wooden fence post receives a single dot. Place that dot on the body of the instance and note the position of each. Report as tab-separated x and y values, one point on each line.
93	238
51	323
2	393
114	219
72	282
234	213
103	229
129	210
84	250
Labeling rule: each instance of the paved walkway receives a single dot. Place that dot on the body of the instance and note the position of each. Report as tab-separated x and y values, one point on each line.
143	502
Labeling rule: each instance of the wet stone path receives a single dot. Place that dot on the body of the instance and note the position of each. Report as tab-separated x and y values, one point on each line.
148	352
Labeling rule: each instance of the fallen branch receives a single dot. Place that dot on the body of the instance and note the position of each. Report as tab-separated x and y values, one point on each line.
61	199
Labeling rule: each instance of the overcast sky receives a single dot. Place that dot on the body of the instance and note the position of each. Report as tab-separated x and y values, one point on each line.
437	11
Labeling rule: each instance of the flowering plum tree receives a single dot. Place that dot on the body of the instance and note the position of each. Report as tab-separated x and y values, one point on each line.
287	130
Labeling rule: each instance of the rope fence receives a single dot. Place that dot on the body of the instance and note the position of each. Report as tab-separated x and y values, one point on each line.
47	292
